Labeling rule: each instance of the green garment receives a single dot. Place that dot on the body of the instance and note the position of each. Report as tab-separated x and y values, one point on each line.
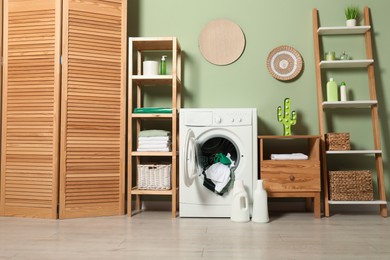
221	158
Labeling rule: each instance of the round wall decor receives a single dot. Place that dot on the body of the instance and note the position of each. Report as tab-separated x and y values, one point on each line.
284	63
221	42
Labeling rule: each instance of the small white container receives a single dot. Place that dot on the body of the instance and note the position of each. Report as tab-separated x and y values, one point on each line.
260	204
240	205
343	92
150	67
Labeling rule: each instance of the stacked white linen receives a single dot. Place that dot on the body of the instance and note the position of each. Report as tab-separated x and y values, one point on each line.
154	141
292	156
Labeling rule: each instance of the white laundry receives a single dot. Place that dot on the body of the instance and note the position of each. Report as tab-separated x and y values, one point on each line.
155	149
154	144
219	174
292	156
154	138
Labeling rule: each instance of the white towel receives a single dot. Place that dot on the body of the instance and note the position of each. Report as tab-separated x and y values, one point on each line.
154	149
292	156
152	146
154	138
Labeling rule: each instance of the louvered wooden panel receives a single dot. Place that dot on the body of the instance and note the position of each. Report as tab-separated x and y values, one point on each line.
1	78
93	108
30	109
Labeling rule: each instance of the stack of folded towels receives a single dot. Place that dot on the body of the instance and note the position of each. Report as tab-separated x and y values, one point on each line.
154	141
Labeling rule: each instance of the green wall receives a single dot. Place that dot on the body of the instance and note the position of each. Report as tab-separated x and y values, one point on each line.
247	83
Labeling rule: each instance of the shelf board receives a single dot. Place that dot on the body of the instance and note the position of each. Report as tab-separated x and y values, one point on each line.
136	191
151	116
288	137
343	30
371	202
338	64
152	79
153	43
135	153
349	104
355	152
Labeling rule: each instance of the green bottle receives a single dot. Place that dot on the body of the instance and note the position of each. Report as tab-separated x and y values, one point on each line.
163	65
332	90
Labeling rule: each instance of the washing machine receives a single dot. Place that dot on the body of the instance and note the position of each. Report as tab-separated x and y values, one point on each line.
203	132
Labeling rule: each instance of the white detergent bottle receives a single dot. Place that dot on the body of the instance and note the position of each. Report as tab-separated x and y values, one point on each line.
240	205
260	204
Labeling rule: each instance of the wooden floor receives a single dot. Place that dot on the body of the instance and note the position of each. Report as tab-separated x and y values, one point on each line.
154	235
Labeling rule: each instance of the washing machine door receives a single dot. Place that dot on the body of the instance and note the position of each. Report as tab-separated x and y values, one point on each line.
191	167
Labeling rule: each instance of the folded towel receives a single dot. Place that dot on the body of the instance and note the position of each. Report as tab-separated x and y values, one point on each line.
153	149
149	110
154	138
151	133
151	146
292	156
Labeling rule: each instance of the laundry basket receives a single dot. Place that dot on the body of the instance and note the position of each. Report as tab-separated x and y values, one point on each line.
154	176
350	185
337	141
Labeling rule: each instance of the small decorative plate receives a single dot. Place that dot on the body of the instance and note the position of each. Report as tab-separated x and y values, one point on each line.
284	63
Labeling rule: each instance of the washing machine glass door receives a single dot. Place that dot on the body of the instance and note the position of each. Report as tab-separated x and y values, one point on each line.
190	159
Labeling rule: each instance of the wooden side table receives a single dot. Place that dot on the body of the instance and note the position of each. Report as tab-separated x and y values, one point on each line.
292	178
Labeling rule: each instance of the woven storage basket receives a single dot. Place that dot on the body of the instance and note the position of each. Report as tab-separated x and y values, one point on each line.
154	176
350	185
337	141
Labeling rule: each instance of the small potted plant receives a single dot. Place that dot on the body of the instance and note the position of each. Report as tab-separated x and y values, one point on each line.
351	14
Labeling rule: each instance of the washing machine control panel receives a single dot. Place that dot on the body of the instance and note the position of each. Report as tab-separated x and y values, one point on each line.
232	117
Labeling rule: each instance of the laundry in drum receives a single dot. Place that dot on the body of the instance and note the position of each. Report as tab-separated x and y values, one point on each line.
219	175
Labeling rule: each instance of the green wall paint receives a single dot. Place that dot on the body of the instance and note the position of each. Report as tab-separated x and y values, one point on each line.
247	83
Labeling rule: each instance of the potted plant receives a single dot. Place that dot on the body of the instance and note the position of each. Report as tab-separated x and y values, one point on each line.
351	14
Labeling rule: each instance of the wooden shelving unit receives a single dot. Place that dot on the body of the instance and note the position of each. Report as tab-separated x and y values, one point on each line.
137	82
371	104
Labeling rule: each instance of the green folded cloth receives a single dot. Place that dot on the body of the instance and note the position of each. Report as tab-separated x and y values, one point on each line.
153	110
154	133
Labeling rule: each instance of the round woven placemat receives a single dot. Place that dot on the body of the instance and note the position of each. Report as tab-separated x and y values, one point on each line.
284	63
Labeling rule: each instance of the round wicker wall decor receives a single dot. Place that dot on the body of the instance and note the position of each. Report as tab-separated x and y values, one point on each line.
284	63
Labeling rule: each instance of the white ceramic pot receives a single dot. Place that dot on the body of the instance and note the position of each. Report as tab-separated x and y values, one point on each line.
351	22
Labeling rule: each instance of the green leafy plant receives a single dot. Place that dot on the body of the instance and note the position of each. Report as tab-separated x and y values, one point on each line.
351	12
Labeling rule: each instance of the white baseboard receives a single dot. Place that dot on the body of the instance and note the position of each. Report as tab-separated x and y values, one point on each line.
279	206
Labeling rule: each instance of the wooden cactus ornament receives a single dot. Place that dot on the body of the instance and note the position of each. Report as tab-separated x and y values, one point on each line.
287	118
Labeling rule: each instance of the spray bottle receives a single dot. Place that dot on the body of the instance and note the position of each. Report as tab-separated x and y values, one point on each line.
163	65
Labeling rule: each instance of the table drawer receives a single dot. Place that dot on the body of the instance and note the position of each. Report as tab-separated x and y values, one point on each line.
291	176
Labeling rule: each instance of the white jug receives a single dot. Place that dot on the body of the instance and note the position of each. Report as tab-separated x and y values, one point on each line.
260	204
240	205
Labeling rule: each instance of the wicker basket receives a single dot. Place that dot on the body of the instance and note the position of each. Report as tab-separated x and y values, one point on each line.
350	185
154	176
337	141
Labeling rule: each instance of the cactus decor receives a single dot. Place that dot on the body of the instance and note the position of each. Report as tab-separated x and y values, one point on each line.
288	119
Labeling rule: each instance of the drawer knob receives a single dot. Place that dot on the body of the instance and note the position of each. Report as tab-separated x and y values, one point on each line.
292	177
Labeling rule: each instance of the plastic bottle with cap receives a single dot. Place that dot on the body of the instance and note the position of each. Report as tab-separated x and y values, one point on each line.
332	90
343	92
163	65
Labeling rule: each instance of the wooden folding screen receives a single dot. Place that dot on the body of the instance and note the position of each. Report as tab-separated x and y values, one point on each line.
76	154
30	109
93	103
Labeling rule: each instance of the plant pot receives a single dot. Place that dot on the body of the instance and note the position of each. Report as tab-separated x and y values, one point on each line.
351	22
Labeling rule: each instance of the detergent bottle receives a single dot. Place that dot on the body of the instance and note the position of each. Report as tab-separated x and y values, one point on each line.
260	204
240	204
332	92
